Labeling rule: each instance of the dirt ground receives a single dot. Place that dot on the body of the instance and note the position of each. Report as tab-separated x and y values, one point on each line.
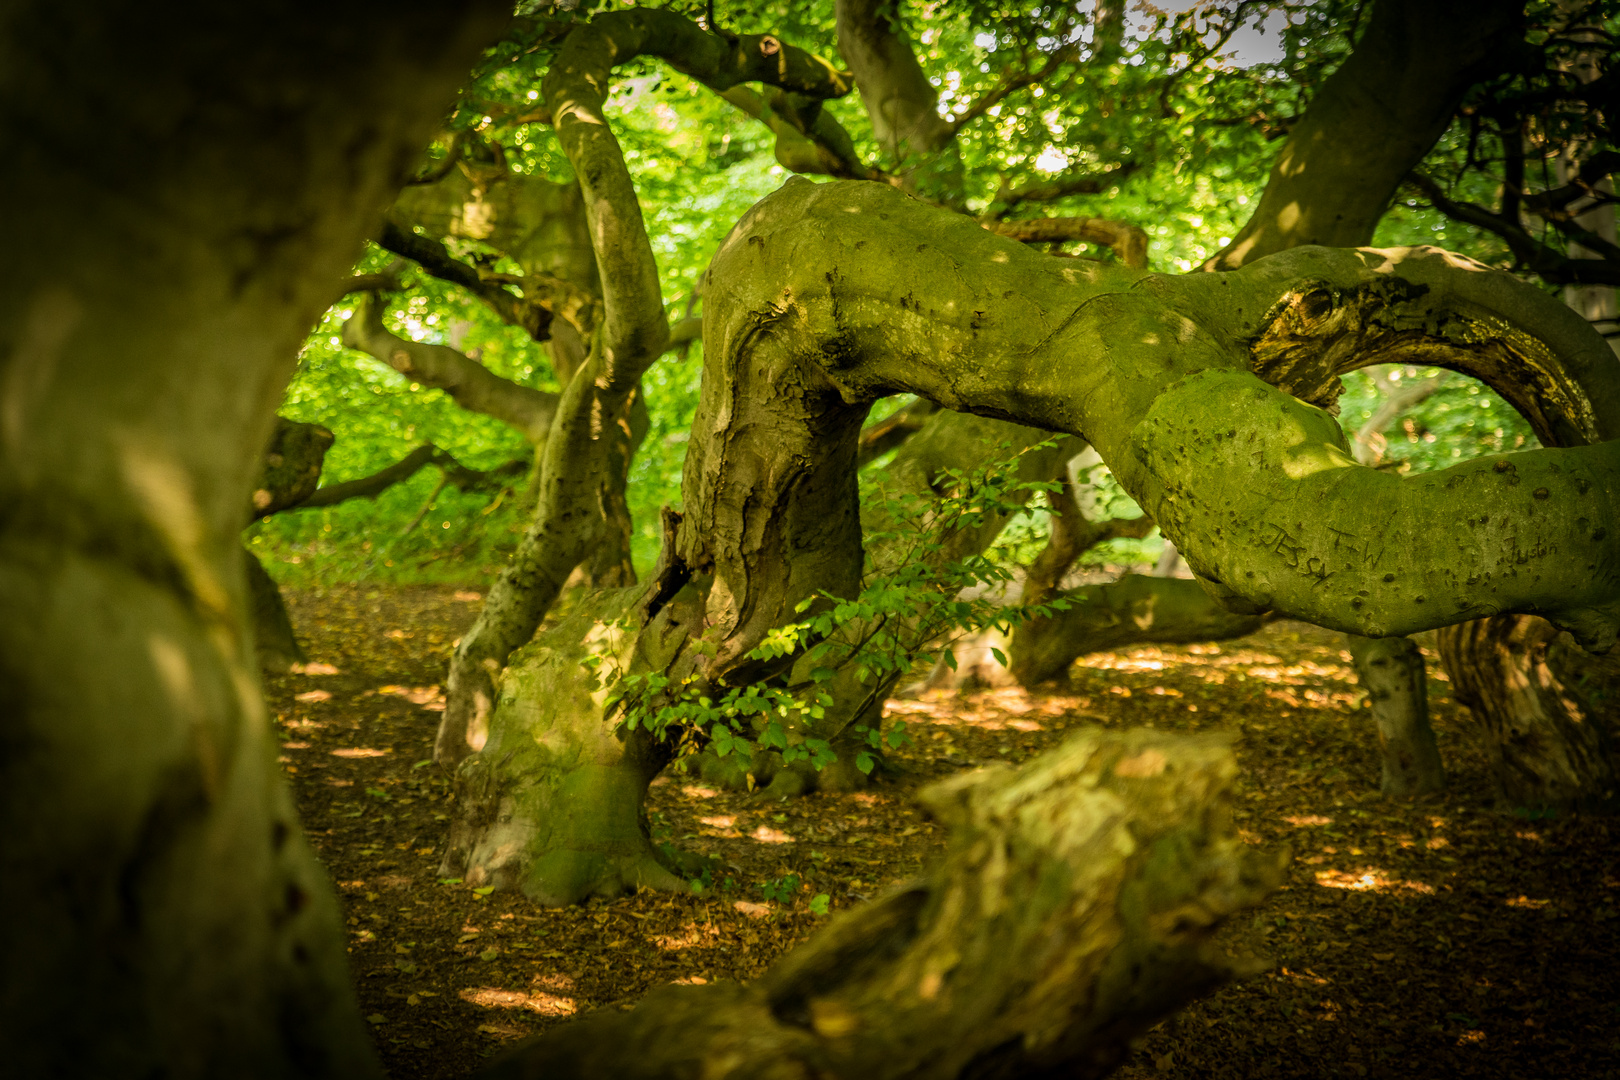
1448	937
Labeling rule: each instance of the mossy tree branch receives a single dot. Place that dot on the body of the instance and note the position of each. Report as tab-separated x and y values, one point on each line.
1160	373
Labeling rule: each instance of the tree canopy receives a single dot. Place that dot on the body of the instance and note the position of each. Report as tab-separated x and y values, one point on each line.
1171	130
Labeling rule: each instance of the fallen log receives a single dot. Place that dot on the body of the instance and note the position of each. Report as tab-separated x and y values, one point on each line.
1073	910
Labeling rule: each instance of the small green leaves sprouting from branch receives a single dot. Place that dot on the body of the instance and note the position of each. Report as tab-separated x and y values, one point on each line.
921	596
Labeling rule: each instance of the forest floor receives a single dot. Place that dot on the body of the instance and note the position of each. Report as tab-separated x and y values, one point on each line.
1444	937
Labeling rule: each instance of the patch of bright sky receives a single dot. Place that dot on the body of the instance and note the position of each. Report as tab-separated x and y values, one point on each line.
1258	42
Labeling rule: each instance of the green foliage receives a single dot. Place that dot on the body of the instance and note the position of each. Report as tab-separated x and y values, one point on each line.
1462	420
783	890
1184	129
924	595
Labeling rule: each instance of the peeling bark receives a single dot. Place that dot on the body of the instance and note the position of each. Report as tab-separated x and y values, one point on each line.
1075	908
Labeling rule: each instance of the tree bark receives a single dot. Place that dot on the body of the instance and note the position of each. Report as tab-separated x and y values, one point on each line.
902	104
1373	120
289	474
1135	610
582	472
1218	457
273	635
1391	671
581	506
552	804
1544	710
1156	371
947	444
291	468
1074	909
198	181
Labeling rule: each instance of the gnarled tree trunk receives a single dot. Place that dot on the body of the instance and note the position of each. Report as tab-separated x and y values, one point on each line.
1156	370
552	804
1544	710
581	515
1074	909
947	446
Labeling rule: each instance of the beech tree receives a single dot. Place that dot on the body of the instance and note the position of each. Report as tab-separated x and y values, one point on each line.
176	259
541	812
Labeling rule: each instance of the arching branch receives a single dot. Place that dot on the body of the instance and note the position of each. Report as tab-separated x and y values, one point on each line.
1190	388
1127	241
471	384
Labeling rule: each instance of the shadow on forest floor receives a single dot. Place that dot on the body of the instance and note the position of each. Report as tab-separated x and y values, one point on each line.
1438	938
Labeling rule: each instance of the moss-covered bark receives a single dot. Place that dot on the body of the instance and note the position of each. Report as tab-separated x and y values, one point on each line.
552	805
1073	910
197	181
581	513
832	282
948	444
825	297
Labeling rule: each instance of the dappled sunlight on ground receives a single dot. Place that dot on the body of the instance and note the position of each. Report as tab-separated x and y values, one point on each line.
1436	938
545	1004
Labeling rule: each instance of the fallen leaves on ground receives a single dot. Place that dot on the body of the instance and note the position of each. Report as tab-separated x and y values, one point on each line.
1445	937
